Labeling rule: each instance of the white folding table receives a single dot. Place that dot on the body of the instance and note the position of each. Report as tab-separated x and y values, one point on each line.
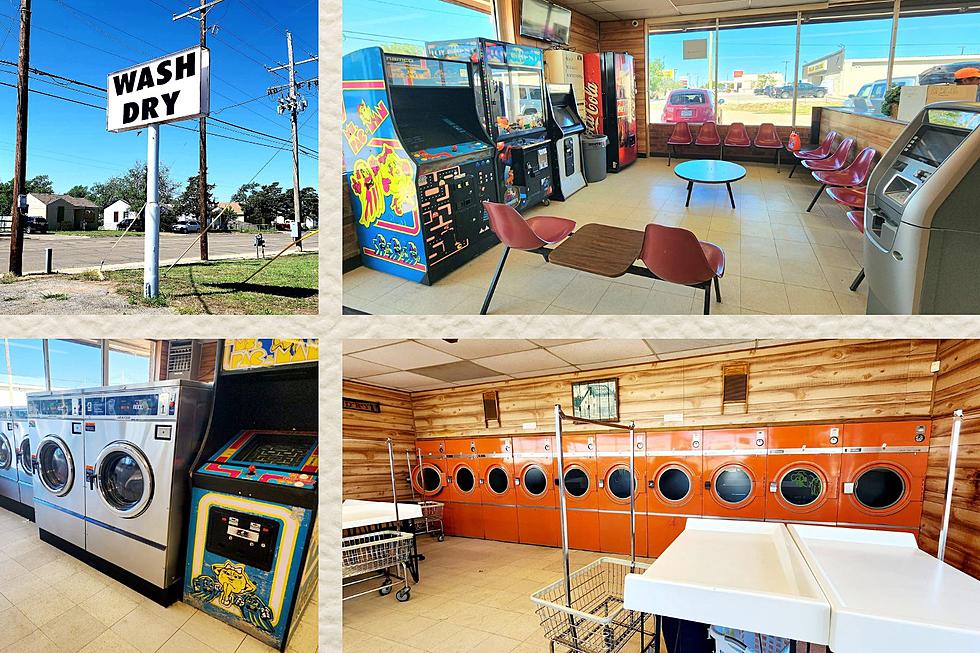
887	595
738	574
356	513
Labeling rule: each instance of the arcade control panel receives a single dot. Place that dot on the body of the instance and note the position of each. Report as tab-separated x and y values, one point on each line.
284	459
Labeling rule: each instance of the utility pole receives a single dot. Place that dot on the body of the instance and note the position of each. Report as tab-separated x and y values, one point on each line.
202	174
292	102
20	149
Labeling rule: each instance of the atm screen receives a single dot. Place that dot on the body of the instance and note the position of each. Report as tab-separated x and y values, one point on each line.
933	144
564	117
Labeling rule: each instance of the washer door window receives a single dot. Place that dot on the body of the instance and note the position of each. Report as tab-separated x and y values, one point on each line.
55	467
429	479
6	453
25	457
674	484
879	488
498	480
465	479
576	481
733	485
618	482
535	481
124	479
801	487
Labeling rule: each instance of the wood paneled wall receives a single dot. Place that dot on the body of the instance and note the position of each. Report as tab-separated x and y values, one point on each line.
366	468
622	36
878	132
801	382
957	387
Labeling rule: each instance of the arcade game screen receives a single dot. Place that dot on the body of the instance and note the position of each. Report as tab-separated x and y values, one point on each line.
519	98
435	117
274	449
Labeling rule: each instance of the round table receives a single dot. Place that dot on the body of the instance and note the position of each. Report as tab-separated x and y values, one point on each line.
708	171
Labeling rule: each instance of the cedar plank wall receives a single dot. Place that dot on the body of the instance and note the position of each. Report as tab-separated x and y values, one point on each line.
808	382
366	470
957	387
621	36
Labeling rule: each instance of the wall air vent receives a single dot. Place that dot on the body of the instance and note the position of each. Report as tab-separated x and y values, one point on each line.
491	408
735	388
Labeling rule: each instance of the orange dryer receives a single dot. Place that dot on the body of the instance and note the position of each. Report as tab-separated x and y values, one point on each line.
581	491
615	485
537	496
429	478
674	485
735	473
495	463
883	469
464	505
803	468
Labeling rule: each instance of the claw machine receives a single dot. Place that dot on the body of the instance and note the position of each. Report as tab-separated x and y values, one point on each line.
610	105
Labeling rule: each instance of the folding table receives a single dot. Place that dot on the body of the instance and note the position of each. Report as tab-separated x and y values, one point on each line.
371	515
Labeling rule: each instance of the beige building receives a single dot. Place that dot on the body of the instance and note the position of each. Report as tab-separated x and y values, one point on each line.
63	212
855	73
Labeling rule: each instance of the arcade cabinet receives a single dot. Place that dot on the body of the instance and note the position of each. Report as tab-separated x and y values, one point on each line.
921	225
511	92
418	163
565	128
252	539
610	105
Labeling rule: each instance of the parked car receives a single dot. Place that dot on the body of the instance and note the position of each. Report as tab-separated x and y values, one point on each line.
186	227
764	90
869	97
806	89
689	105
943	74
125	222
36	225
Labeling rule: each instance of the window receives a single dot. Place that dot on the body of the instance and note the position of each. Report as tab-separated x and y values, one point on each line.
129	361
755	74
22	369
681	76
923	58
404	26
75	363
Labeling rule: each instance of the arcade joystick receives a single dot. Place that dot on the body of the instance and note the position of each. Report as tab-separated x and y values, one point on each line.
455	148
251	470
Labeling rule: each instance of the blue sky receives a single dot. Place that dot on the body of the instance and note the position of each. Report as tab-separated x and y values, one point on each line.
73	364
87	39
370	22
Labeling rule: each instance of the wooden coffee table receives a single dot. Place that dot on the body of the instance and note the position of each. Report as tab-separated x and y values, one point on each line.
709	172
600	249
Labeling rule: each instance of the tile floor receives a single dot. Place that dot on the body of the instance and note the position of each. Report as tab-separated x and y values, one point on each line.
780	259
473	595
50	602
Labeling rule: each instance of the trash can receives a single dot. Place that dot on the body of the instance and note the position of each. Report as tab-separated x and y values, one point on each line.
594	153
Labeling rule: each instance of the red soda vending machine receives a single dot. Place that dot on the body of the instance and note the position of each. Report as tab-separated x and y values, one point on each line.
610	104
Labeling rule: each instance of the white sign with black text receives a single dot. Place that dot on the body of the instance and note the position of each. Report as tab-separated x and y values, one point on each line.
171	88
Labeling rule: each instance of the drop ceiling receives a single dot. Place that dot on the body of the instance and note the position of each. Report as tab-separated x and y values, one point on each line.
605	10
416	365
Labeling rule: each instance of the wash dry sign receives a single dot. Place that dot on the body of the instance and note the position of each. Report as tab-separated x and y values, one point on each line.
171	88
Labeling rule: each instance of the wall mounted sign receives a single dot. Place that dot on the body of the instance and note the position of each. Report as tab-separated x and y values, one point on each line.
696	49
257	353
363	406
596	399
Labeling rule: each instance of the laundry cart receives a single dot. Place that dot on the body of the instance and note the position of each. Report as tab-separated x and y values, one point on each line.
377	554
431	521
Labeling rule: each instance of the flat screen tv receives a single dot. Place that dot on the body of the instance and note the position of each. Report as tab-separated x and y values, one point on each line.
545	21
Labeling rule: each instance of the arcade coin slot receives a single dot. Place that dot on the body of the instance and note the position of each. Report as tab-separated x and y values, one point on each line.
243	537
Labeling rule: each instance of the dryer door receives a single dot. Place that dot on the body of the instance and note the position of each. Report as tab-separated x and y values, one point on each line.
55	466
24	456
6	452
124	479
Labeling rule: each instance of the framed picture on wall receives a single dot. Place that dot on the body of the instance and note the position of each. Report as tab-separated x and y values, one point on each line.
597	400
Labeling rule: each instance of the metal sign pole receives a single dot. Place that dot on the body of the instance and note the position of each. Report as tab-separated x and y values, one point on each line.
151	242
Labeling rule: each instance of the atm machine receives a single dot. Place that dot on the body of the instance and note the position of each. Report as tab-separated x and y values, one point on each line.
511	92
252	538
565	127
921	220
418	163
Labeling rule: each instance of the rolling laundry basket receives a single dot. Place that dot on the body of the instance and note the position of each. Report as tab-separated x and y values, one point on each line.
730	640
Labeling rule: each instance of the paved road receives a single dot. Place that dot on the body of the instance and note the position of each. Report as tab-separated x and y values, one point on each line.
73	253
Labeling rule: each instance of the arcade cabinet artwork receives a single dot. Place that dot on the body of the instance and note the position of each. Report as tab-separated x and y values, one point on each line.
252	543
418	163
512	95
610	104
565	128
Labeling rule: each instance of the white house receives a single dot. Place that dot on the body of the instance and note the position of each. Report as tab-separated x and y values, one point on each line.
63	211
114	213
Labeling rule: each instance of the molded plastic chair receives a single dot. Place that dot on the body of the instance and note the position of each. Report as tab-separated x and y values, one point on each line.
767	138
815	153
708	136
681	135
835	161
676	255
852	198
530	235
736	136
853	175
856	218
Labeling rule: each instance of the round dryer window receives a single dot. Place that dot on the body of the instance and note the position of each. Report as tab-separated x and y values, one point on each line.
879	488
535	481
431	479
801	487
55	469
576	481
733	485
497	480
124	478
6	455
25	457
674	484
465	479
619	483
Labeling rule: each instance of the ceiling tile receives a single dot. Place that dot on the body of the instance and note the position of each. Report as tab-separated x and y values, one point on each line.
557	370
355	368
524	361
353	345
617	6
676	345
404	381
617	363
498	378
555	343
597	351
406	355
709	6
470	349
461	371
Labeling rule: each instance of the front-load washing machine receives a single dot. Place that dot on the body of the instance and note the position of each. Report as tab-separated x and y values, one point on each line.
674	485
495	463
139	444
57	453
9	489
21	435
537	497
735	473
803	468
615	486
465	508
581	491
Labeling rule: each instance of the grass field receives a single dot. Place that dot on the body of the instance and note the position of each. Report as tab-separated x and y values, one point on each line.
101	233
287	287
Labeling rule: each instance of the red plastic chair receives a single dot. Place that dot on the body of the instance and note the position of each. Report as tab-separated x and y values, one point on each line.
853	175
530	235
768	139
681	135
856	218
676	255
736	136
835	161
708	136
852	198
815	153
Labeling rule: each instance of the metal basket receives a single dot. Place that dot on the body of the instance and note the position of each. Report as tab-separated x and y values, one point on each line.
594	620
362	554
431	510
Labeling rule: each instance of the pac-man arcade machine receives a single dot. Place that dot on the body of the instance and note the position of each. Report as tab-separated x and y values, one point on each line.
252	539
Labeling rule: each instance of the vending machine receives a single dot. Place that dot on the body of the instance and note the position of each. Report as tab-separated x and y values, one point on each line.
565	127
512	96
610	105
418	163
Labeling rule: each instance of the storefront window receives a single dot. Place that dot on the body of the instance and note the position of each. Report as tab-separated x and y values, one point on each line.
404	26
682	76
755	74
75	363
922	58
129	361
21	370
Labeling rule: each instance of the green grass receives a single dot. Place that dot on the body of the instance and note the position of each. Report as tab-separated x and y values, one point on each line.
774	105
288	286
101	233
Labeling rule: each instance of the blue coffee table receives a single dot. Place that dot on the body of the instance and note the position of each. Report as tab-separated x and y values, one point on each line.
708	171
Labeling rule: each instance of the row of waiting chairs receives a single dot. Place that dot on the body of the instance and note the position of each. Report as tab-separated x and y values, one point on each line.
737	136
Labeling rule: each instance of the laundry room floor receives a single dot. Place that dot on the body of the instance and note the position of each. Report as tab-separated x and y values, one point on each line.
50	602
473	595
